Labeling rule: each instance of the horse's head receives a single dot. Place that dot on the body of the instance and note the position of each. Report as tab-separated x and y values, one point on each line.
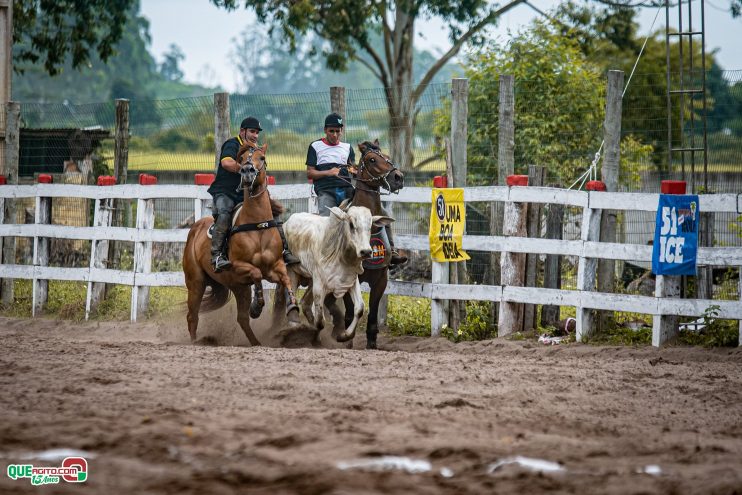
376	169
252	167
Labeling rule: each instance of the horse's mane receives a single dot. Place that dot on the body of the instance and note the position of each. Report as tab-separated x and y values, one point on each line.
276	208
369	144
245	146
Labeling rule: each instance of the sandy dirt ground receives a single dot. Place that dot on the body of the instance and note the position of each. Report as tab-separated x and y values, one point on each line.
156	414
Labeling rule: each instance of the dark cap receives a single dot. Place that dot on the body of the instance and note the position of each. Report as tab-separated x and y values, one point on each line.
333	120
251	123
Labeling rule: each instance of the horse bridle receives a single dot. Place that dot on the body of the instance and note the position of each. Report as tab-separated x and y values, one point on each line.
248	162
380	180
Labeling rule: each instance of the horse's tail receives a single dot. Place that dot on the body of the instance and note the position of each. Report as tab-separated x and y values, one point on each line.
215	298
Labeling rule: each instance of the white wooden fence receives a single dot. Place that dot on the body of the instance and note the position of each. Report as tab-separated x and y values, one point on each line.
586	249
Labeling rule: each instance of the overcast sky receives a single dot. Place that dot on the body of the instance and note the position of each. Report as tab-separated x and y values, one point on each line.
205	34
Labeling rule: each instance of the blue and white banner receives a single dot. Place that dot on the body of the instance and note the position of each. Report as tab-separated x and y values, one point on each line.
676	235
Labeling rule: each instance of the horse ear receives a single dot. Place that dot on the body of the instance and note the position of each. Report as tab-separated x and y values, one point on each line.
362	147
376	142
345	205
264	148
381	221
337	212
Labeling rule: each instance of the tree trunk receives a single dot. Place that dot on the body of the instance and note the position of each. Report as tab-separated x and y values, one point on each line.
400	96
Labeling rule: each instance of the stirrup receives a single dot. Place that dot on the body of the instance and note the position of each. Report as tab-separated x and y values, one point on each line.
289	258
221	263
397	259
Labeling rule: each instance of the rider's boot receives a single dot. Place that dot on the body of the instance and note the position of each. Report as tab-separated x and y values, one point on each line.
288	256
398	257
218	259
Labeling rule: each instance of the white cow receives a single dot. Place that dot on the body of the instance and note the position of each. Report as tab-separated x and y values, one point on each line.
331	250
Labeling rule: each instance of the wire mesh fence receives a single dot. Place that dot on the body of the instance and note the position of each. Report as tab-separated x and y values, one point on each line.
560	129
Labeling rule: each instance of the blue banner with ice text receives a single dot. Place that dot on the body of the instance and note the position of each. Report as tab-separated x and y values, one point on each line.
676	235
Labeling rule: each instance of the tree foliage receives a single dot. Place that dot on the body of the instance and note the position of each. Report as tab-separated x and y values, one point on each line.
170	66
349	27
559	105
50	30
130	68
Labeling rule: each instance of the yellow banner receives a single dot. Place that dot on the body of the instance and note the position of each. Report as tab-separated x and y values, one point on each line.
447	221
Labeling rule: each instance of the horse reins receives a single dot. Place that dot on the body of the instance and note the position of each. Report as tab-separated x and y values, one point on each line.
380	179
259	169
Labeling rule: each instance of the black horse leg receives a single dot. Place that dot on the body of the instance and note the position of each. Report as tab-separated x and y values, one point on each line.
258	301
348	301
378	286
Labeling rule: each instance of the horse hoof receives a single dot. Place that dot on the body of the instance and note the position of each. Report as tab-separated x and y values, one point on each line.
345	337
293	315
255	312
371	344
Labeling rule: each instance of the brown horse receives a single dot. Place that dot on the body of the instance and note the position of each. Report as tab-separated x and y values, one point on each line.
376	171
255	250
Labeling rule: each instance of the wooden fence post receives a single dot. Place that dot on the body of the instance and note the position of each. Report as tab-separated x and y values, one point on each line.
12	153
505	168
142	257
440	274
43	216
536	176
99	248
120	171
665	327
705	279
222	125
553	264
609	175
587	267
337	100
513	265
457	178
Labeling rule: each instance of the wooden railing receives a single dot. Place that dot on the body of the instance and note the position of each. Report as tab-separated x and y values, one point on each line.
587	249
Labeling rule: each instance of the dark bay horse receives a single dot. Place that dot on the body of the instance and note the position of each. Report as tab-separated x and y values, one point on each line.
255	250
376	172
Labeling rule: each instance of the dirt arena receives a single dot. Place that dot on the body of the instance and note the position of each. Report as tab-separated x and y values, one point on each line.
154	414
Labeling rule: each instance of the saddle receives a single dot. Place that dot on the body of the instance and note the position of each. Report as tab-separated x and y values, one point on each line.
379	250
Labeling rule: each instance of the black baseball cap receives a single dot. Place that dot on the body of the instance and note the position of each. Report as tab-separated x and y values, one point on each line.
251	123
333	120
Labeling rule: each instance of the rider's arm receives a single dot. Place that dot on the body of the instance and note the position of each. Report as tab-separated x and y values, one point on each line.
230	165
229	152
314	174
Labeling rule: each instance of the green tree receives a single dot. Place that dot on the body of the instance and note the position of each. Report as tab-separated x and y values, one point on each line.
96	81
348	26
50	30
559	105
265	64
170	67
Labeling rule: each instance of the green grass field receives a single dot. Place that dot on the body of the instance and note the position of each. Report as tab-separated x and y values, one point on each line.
203	162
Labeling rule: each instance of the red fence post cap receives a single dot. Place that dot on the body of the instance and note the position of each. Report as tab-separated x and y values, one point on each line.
204	179
517	180
595	185
672	187
3	180
270	180
106	180
147	180
45	179
440	181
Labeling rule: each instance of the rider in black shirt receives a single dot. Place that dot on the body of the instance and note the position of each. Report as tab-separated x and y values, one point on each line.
225	192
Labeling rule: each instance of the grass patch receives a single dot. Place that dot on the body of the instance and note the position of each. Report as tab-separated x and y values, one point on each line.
204	162
66	301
